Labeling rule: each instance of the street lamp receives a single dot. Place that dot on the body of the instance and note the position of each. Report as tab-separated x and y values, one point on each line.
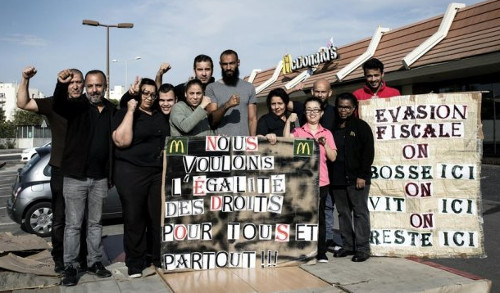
126	67
107	26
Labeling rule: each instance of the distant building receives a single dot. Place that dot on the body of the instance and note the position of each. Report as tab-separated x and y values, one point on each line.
8	94
116	92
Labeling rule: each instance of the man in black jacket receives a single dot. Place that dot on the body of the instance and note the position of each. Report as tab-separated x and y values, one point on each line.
86	168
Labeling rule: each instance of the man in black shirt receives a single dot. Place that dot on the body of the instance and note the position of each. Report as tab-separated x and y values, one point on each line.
58	128
86	168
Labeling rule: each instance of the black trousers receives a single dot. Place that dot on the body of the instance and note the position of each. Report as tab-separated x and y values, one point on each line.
323	193
140	193
58	220
354	217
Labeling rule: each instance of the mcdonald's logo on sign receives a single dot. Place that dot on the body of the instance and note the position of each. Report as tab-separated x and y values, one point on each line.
177	146
303	147
287	64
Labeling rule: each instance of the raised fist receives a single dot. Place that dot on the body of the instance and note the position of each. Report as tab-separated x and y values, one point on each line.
29	72
205	102
65	76
292	118
164	67
131	105
233	101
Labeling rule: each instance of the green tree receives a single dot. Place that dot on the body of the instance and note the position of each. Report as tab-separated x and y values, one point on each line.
22	117
7	129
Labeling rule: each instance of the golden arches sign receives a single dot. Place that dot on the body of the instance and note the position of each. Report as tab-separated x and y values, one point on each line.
177	146
303	148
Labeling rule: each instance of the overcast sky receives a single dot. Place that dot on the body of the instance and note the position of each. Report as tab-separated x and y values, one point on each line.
50	36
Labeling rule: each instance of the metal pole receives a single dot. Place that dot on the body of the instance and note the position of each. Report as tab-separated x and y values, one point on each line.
107	60
494	126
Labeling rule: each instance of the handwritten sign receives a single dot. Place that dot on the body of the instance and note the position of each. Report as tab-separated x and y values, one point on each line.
425	194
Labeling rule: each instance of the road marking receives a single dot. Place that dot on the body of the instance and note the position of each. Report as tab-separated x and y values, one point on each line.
5	224
10	155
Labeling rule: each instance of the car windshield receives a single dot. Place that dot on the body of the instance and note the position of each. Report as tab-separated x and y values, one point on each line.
32	162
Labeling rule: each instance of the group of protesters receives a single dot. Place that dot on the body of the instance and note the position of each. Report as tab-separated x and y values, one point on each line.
95	146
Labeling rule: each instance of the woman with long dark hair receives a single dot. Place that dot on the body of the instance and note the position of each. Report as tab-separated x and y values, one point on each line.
271	124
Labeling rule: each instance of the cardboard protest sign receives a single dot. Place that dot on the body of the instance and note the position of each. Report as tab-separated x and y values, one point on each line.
239	202
425	194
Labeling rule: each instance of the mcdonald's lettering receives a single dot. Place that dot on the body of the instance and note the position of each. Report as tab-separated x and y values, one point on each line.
177	146
303	148
322	56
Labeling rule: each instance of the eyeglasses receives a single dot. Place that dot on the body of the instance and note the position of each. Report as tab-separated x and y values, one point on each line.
313	111
150	95
345	108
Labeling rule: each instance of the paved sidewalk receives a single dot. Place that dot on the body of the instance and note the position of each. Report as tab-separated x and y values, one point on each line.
378	274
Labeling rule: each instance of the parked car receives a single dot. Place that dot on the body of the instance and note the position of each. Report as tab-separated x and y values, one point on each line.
30	202
27	154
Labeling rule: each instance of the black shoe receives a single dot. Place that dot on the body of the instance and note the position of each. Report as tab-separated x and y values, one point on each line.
134	272
83	268
360	256
59	266
69	277
322	258
99	270
343	253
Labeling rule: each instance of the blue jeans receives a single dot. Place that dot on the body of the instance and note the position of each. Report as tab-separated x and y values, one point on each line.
78	194
58	219
329	218
331	234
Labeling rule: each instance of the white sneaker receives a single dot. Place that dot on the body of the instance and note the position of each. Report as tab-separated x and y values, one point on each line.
322	258
135	276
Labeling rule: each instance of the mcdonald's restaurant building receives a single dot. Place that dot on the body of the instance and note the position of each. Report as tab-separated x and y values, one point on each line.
457	51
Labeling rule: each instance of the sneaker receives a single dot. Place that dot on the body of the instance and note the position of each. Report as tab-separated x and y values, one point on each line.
332	245
59	266
322	258
69	277
134	273
99	270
